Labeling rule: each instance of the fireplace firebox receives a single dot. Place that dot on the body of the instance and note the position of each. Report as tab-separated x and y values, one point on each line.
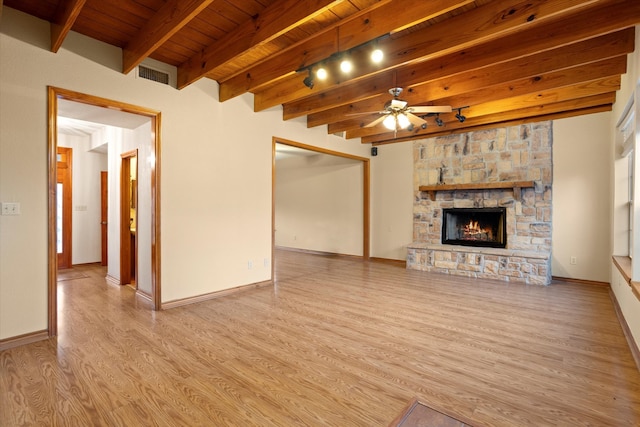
484	227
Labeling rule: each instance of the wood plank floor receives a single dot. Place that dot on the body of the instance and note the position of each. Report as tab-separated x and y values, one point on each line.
335	342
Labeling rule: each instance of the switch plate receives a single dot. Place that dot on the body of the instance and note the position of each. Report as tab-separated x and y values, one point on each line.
10	208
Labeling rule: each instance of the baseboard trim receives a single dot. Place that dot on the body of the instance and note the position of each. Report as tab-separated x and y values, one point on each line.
112	280
398	262
580	281
635	352
30	338
213	295
321	253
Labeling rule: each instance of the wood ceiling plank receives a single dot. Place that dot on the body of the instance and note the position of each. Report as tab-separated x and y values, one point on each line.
483	56
450	122
489	123
275	20
172	17
66	15
591	50
354	30
571	94
494	20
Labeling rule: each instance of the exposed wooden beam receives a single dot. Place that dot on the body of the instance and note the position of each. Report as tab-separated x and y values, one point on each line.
66	15
378	20
171	17
451	124
275	20
512	122
493	20
569	98
323	109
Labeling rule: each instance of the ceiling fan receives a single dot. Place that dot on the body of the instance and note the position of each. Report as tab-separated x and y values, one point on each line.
397	114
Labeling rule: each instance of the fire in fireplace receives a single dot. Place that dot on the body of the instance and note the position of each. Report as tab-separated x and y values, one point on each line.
485	227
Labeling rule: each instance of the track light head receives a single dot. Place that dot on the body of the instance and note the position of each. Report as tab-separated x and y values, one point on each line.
308	81
439	121
424	125
459	116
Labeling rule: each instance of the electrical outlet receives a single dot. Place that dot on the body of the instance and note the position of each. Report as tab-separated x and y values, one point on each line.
10	208
249	265
266	262
573	260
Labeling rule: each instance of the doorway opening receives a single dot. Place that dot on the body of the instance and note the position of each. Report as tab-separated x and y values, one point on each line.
105	107
354	195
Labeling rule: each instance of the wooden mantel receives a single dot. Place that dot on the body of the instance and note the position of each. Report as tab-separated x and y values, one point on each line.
515	185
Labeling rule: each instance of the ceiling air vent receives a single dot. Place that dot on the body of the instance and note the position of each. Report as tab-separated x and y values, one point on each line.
154	75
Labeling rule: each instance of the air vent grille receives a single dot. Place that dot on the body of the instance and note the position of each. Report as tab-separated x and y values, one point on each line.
154	75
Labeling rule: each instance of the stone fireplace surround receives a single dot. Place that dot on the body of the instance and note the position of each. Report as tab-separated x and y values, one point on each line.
512	154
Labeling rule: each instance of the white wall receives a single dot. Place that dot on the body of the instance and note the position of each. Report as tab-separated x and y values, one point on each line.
319	203
86	232
215	164
582	165
392	200
628	302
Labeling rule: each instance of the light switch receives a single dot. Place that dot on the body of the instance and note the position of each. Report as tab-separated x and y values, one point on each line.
10	208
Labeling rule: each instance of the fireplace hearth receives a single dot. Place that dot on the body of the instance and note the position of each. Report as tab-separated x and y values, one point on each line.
483	227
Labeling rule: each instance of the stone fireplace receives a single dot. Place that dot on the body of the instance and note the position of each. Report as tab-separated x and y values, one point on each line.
504	173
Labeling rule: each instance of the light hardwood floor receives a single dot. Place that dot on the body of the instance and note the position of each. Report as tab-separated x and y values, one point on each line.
335	342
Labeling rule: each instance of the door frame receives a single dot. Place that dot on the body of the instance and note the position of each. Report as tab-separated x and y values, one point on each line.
53	94
366	192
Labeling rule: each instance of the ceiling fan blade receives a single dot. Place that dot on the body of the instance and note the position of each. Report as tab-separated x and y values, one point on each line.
423	109
398	104
376	121
415	120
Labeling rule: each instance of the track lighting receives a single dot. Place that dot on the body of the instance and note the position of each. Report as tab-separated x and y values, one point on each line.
346	65
424	125
459	116
377	55
308	81
439	121
321	73
342	59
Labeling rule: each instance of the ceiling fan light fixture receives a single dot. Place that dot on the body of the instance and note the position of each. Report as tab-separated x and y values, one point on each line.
389	122
403	121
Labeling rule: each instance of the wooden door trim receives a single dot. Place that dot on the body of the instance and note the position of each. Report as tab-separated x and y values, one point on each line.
53	94
67	209
366	192
104	231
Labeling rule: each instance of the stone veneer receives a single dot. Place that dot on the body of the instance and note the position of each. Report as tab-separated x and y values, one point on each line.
518	153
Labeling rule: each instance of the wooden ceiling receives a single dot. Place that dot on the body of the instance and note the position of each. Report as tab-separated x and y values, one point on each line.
508	61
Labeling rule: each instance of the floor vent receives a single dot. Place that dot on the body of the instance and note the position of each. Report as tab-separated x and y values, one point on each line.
154	75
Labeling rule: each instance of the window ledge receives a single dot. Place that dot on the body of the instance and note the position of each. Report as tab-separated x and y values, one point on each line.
623	263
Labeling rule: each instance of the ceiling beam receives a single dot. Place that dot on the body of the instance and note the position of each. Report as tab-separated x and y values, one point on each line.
171	17
66	15
275	20
487	113
551	112
493	20
569	94
567	56
382	18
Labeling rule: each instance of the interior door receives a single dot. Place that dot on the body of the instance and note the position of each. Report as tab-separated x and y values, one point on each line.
104	210
63	201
